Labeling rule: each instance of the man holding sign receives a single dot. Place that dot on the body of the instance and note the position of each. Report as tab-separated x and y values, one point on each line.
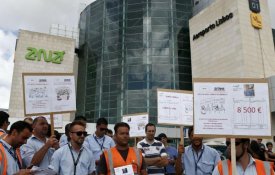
246	164
197	158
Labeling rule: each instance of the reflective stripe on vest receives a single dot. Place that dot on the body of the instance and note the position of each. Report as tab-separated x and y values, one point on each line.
110	159
3	161
259	165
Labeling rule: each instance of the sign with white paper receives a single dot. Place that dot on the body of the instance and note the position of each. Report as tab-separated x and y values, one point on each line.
175	107
49	94
124	170
232	108
137	124
57	119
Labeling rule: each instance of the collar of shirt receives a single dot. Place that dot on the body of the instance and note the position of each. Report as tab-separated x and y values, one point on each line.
145	141
82	147
98	138
8	146
2	130
36	138
251	162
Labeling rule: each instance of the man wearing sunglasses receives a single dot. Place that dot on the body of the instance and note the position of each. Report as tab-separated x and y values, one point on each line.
74	158
99	141
245	163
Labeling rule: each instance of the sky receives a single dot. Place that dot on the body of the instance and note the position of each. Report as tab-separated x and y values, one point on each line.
38	16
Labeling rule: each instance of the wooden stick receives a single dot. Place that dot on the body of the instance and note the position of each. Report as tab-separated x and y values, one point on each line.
233	156
52	124
181	135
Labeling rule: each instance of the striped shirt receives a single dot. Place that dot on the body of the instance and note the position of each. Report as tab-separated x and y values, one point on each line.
156	149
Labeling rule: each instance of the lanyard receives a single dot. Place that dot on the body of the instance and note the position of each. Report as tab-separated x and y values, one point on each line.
196	162
12	154
100	145
77	159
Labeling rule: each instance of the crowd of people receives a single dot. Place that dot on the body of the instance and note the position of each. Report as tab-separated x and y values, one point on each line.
28	144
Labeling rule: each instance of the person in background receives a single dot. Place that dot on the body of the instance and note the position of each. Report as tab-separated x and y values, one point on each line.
117	158
153	151
74	158
4	123
197	158
261	145
256	152
28	120
109	133
98	141
65	137
172	155
39	149
271	155
246	164
10	162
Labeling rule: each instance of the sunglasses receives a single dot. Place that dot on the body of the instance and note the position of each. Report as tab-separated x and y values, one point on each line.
80	133
229	143
103	129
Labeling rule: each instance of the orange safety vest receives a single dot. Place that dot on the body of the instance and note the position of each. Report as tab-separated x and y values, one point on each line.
3	161
114	159
17	151
262	167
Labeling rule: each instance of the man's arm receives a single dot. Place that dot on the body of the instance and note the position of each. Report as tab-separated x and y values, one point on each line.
39	155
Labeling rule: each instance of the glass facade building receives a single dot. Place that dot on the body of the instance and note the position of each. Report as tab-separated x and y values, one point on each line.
128	49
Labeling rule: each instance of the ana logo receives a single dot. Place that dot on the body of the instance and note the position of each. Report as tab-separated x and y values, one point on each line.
52	56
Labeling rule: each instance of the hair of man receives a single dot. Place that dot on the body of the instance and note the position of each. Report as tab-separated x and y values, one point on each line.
119	125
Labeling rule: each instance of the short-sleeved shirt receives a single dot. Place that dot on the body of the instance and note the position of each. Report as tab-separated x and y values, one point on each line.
32	146
63	140
63	164
172	154
156	149
201	163
98	145
12	165
102	166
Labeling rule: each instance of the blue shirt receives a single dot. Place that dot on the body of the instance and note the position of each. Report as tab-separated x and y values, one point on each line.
63	140
172	154
30	148
98	145
202	163
62	162
12	165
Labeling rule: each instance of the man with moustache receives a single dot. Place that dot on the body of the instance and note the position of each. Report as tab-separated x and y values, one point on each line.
39	149
74	158
122	158
197	158
245	163
10	163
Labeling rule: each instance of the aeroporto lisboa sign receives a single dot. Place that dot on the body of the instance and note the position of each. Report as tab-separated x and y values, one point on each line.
48	56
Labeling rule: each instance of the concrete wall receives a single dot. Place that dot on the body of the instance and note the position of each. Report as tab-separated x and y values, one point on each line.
235	48
22	65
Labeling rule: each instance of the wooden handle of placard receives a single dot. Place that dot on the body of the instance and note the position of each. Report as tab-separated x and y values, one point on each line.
52	124
233	156
181	135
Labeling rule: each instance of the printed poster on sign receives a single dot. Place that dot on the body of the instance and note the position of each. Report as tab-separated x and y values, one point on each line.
49	93
232	108
137	124
175	107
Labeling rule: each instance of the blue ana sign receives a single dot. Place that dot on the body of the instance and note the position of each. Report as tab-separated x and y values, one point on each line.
50	56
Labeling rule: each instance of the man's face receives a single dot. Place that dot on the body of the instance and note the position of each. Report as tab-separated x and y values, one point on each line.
164	140
122	136
269	147
41	126
5	125
18	139
195	141
101	130
150	133
259	140
241	148
78	134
